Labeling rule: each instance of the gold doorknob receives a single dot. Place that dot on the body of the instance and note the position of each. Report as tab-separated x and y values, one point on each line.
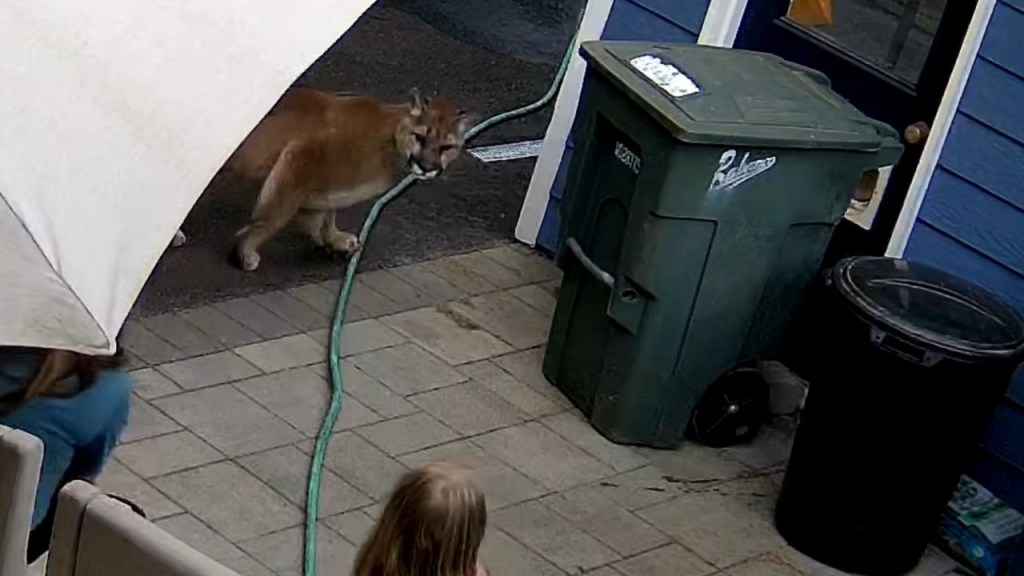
917	133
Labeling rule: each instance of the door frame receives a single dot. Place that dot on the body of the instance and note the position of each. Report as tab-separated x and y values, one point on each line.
723	20
535	204
721	24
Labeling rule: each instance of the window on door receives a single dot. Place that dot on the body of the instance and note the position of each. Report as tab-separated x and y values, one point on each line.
892	35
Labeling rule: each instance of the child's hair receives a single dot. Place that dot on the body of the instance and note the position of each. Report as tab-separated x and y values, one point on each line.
432	526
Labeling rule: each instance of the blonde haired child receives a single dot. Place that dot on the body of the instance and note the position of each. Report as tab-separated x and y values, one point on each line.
433	525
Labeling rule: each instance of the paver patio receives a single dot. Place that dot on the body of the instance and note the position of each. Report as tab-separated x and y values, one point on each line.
442	361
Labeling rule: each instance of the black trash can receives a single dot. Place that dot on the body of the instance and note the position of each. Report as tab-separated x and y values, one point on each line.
909	363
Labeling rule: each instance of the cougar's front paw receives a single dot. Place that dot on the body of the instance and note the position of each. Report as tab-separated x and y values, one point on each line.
344	243
247	261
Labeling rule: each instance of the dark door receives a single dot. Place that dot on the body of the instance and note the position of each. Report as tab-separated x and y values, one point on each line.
892	59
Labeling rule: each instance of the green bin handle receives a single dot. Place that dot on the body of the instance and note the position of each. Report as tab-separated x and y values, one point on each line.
815	75
595	270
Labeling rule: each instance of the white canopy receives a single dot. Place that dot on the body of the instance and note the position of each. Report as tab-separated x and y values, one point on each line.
114	116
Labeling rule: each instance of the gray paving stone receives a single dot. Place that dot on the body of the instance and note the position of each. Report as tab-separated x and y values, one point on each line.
552	287
721	529
209	370
182	335
145	421
364	466
363	336
300	397
491	270
149	384
191	531
119	480
805	564
283	551
526	366
407	434
230	500
502	485
934	563
544	456
316	296
297	313
353	312
219	326
286	470
354	526
769	449
166	454
373	394
374	303
758	493
247	566
457	274
506	317
404	295
571	426
229	420
283	353
447	335
640	488
503	556
768	565
553	537
605	520
530	267
469	408
131	362
407	369
673	560
694	463
538	297
604	571
497	380
146	345
256	318
422	278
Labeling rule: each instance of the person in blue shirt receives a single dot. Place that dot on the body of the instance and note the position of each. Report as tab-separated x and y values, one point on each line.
79	426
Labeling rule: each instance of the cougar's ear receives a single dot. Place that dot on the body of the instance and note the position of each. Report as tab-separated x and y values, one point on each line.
416	102
466	120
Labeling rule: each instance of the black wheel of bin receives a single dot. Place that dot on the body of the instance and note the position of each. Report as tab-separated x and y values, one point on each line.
731	411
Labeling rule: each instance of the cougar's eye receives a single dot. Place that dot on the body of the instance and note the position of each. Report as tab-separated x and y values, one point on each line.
447	148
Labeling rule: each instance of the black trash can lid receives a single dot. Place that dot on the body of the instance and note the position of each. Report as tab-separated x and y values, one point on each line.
931	308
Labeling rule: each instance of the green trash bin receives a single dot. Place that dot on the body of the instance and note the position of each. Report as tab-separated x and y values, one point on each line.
703	191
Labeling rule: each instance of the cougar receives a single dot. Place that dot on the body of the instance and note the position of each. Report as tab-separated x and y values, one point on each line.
319	153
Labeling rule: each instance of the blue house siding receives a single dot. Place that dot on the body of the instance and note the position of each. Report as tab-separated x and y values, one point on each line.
677	21
972	219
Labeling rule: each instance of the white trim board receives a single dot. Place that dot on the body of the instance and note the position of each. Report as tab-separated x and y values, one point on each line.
531	216
940	128
722	23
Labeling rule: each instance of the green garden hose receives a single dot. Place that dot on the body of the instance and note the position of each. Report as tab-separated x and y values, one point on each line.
338	323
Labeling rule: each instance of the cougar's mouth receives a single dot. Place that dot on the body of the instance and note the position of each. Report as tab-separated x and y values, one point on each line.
420	173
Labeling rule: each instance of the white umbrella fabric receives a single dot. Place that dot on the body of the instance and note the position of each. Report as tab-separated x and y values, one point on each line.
114	116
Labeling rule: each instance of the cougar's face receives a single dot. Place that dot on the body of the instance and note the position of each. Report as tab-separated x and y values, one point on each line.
432	135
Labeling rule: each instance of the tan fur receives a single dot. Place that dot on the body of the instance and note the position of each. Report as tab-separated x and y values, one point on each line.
54	367
319	153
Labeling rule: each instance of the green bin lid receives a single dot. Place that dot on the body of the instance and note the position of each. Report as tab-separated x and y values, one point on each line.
708	95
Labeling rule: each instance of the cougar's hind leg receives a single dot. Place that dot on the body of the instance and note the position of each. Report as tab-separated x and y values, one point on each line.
312	223
280	199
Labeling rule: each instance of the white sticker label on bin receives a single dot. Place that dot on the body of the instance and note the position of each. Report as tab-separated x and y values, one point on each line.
731	174
628	157
666	76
